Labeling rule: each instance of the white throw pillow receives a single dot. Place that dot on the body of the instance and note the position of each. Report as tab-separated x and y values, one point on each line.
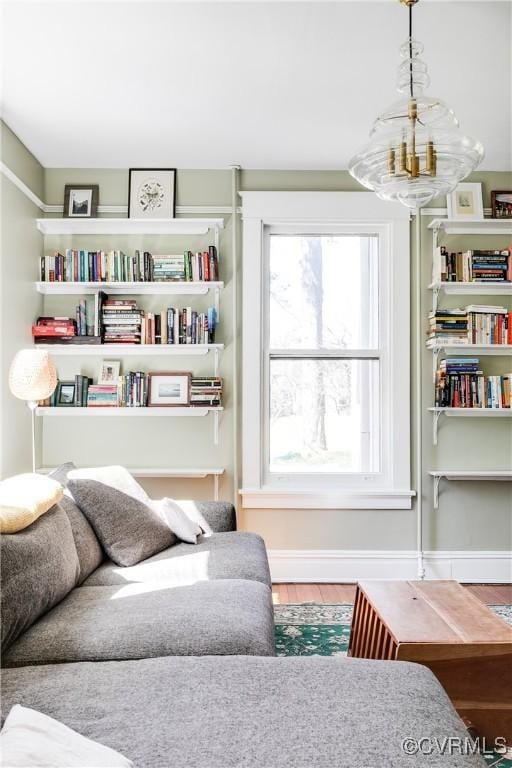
29	739
179	523
116	477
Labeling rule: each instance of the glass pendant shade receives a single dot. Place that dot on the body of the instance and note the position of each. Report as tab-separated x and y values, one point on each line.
416	151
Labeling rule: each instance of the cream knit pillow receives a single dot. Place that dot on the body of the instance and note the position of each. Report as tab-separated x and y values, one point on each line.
24	498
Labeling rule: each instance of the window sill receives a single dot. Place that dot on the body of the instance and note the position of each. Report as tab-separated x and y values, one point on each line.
279	499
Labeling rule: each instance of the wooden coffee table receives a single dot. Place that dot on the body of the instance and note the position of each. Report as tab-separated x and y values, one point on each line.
443	626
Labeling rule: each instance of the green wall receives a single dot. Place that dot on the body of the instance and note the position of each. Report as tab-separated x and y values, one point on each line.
472	516
20	245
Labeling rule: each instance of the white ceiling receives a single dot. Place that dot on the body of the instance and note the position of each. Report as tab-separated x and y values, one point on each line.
261	84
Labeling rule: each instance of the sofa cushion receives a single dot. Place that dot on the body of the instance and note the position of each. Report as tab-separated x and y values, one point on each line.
249	712
24	498
90	553
129	530
39	567
219	556
212	516
141	621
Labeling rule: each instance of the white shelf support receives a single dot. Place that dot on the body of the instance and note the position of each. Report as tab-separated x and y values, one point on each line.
215	487
435	426
435	297
216	427
437	480
216	362
216	298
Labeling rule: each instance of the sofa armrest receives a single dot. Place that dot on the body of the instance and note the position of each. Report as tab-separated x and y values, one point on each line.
212	516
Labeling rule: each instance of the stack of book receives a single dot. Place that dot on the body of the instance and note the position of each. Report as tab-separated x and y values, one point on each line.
206	391
476	324
53	330
448	326
102	396
133	390
472	266
460	384
80	266
121	321
169	268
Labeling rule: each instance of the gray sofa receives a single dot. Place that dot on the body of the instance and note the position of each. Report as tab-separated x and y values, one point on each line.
169	661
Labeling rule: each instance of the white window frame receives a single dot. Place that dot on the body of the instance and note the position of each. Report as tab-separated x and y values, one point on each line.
344	213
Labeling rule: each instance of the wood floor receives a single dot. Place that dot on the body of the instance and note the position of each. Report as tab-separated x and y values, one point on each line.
492	594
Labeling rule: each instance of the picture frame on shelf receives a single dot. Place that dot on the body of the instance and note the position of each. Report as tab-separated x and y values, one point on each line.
109	372
501	204
169	389
65	394
81	201
152	193
465	203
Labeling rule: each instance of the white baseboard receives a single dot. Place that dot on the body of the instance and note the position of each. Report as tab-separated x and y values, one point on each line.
337	565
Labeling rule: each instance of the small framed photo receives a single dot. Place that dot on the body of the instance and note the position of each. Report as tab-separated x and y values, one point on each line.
152	193
81	201
465	202
109	372
65	395
501	203
169	389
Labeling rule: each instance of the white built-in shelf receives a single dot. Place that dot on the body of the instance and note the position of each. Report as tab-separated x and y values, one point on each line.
132	350
474	412
480	227
465	413
100	226
169	473
168	288
471	349
489	475
107	411
474	288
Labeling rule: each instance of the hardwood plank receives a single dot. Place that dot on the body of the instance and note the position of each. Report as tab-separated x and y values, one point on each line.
491	594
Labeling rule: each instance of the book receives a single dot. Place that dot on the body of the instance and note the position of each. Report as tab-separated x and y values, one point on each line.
472	266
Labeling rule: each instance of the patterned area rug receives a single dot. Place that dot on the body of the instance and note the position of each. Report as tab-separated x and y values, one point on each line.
313	629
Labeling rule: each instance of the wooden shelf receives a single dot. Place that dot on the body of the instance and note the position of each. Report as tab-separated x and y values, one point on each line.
121	226
480	227
138	289
132	350
103	411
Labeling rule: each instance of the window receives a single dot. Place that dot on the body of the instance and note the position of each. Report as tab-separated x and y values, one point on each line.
326	351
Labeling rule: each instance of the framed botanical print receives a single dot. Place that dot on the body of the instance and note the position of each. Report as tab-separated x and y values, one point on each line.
152	193
465	202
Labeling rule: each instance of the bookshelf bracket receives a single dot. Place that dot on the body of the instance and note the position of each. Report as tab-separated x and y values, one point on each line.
437	480
435	298
435	425
435	362
215	362
216	427
217	301
215	487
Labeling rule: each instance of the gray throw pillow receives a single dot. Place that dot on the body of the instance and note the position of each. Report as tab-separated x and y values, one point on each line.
39	567
128	529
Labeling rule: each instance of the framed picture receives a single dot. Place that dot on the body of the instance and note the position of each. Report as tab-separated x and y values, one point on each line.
65	395
81	201
501	203
169	389
465	202
109	372
152	193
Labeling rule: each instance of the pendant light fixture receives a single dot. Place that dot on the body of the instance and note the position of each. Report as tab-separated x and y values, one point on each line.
416	150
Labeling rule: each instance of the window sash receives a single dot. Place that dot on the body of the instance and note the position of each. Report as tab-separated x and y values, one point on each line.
379	297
